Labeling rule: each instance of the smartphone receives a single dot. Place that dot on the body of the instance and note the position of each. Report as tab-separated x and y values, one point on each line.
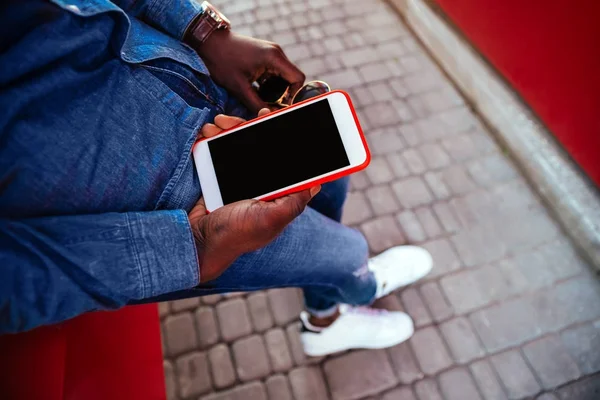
312	142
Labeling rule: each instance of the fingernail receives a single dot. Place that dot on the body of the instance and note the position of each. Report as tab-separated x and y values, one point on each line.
314	190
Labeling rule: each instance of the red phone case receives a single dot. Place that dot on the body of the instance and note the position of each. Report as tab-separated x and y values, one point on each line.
327	178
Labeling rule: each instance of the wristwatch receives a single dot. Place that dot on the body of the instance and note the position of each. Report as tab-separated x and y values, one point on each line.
209	20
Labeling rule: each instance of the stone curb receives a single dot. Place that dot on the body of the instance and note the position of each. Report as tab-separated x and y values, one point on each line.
568	192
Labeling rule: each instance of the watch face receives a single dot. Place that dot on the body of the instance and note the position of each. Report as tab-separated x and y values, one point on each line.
216	15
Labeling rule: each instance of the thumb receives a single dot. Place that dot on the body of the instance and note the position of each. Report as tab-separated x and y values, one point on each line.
247	94
284	209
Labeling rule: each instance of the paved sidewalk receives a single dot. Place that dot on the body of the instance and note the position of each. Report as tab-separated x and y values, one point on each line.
509	310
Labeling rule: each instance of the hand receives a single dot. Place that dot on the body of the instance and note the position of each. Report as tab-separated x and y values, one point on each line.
247	225
235	61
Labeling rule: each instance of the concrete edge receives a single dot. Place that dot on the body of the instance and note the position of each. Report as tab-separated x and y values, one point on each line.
573	199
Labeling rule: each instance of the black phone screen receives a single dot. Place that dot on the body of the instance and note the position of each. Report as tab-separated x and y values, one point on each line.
282	151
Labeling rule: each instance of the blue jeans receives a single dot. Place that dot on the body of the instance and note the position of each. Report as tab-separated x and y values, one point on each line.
315	252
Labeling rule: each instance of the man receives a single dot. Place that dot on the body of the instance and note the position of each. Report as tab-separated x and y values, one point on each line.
99	200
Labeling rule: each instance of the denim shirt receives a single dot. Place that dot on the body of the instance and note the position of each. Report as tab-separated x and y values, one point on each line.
95	168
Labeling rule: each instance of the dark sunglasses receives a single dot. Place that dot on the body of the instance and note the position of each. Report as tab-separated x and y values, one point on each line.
275	91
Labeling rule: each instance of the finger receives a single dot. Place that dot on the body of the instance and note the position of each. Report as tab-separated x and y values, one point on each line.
210	130
247	94
263	111
227	121
196	214
282	66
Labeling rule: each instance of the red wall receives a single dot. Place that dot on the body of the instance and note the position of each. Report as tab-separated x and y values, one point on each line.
549	50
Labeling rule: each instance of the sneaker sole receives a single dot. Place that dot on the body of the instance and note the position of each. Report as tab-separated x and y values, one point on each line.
314	350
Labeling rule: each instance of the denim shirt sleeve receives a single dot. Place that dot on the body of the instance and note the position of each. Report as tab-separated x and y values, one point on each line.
55	268
170	16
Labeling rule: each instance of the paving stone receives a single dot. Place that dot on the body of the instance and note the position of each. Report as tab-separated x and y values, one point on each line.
401	393
585	389
382	200
461	340
414	161
460	148
404	363
374	72
547	396
457	180
347	78
384	141
412	192
446	216
286	304
569	302
308	384
381	114
251	358
429	222
382	233
411	226
551	362
403	110
479	245
549	263
399	87
278	388
440	100
359	181
437	185
249	391
163	309
359	374
234	321
381	91
355	57
180	335
415	307
260	314
412	133
474	288
397	165
487	381
379	172
312	67
279	353
457	384
436	303
193	375
491	170
297	52
506	324
356	209
211	299
430	350
333	44
514	373
434	155
206	326
223	372
583	343
170	380
233	295
444	257
427	389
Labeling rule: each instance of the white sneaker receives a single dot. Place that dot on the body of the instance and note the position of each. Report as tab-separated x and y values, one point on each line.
356	328
399	266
